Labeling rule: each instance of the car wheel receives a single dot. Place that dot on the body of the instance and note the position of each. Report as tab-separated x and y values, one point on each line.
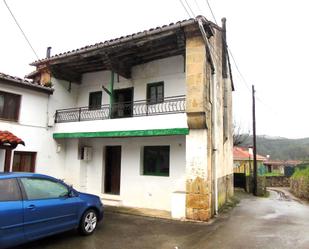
88	222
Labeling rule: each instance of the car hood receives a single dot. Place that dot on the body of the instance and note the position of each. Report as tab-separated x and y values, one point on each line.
85	195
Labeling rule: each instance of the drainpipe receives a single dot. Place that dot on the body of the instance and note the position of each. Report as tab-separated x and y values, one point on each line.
214	140
111	96
207	44
213	114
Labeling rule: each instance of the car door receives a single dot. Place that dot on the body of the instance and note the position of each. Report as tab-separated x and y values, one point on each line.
48	208
11	213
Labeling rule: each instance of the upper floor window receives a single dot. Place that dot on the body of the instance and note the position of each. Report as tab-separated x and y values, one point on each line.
95	100
155	93
9	106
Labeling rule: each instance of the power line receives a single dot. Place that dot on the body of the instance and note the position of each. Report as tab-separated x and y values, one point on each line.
230	51
185	8
236	65
198	6
238	70
190	8
23	33
212	13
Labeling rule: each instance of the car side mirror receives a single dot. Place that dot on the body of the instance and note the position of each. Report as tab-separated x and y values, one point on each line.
70	193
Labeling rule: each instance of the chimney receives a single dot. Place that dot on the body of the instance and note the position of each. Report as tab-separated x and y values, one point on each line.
48	52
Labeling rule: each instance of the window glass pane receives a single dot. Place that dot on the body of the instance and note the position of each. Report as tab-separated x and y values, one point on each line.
9	106
152	97
160	96
156	160
1	104
9	190
43	189
27	163
95	100
16	162
155	92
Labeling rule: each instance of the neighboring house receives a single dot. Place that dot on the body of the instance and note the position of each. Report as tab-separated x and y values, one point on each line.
143	120
23	120
281	166
243	160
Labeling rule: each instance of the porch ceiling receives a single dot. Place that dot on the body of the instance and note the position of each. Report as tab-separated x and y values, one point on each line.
121	54
120	58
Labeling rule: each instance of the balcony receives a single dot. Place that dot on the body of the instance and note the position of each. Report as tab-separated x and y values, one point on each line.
170	105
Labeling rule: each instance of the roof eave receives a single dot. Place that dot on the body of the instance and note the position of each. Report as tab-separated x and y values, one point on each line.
30	86
121	40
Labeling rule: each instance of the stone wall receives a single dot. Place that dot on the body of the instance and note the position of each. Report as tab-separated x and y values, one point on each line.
300	187
261	186
277	181
225	189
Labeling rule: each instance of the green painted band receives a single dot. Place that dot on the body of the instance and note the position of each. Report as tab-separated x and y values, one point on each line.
135	133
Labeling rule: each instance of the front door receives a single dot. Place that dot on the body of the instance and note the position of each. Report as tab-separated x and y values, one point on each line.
123	103
24	161
112	169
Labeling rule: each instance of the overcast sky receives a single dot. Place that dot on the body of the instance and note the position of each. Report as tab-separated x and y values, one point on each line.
269	40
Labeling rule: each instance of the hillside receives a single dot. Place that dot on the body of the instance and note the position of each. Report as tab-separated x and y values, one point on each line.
281	148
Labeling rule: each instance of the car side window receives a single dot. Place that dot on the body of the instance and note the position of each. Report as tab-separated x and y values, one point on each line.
36	188
9	190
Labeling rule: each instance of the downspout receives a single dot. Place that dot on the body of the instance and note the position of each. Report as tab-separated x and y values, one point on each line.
214	140
111	96
213	115
207	44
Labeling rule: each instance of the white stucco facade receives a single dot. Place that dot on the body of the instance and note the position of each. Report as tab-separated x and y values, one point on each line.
31	127
60	158
136	189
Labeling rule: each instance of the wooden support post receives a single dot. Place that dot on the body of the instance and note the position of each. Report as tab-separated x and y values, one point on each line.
7	160
254	142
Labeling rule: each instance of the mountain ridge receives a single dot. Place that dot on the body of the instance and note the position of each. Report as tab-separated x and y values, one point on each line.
279	148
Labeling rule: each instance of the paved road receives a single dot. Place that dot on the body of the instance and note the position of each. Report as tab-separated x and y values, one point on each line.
277	222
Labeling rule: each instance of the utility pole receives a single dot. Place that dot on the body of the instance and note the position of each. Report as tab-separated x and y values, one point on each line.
254	142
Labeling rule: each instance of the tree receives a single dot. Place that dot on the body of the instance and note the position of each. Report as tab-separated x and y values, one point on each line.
239	137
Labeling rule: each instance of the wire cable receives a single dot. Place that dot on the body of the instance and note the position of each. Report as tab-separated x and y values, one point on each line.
212	13
198	6
23	33
185	8
190	8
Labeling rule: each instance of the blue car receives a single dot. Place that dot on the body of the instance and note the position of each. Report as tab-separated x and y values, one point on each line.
33	206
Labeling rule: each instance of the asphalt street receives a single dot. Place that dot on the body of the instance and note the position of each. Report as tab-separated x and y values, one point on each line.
277	222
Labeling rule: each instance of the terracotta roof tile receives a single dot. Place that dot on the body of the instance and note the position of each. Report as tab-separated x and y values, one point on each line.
123	39
24	83
243	154
7	137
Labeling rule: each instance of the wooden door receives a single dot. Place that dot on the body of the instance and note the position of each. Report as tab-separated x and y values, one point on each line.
24	161
112	169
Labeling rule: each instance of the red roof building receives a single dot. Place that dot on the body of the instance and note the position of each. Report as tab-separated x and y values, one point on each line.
8	142
243	154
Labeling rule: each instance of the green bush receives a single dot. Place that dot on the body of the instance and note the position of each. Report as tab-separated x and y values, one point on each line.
300	183
299	173
273	174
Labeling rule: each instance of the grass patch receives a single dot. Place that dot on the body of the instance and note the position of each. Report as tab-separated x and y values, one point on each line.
273	174
300	173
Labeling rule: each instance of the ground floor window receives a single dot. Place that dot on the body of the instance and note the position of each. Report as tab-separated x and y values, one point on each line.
156	160
24	161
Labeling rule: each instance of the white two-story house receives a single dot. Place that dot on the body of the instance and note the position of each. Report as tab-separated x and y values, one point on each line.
144	120
23	124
